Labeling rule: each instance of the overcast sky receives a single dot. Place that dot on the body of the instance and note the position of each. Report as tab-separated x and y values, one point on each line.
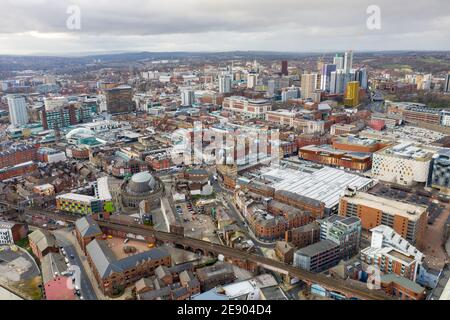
40	26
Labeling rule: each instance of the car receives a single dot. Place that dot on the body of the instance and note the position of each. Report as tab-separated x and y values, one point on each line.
72	256
66	260
126	240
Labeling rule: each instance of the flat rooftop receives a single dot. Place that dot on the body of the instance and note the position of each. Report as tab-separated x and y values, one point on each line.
409	150
77	197
355	140
323	184
326	148
389	206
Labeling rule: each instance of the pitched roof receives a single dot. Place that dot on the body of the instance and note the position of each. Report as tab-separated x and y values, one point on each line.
402	281
87	227
106	263
43	239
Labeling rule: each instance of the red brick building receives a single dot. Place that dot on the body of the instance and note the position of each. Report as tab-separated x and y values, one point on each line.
333	157
303	236
42	242
17	154
114	275
402	288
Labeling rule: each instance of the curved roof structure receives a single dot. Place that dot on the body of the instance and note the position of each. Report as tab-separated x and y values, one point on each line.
141	182
77	131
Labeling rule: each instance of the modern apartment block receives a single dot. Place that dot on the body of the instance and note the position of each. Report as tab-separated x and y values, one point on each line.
18	114
406	219
65	116
10	232
345	231
391	253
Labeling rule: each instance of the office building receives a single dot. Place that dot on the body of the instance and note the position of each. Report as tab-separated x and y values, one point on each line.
281	117
440	171
352	94
342	128
338	61
445	118
417	115
308	85
447	84
406	219
348	61
337	80
119	99
326	76
252	80
289	94
362	77
284	68
318	256
18	114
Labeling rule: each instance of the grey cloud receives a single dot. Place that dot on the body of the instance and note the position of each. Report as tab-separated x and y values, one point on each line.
278	24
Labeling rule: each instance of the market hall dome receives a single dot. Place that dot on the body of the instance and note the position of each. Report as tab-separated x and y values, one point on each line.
142	182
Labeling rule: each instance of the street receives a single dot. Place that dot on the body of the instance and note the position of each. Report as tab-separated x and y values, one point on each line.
87	291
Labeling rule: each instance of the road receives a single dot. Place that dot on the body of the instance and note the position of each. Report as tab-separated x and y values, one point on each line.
87	291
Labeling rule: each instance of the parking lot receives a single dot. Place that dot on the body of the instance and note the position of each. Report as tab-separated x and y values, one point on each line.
195	225
435	207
